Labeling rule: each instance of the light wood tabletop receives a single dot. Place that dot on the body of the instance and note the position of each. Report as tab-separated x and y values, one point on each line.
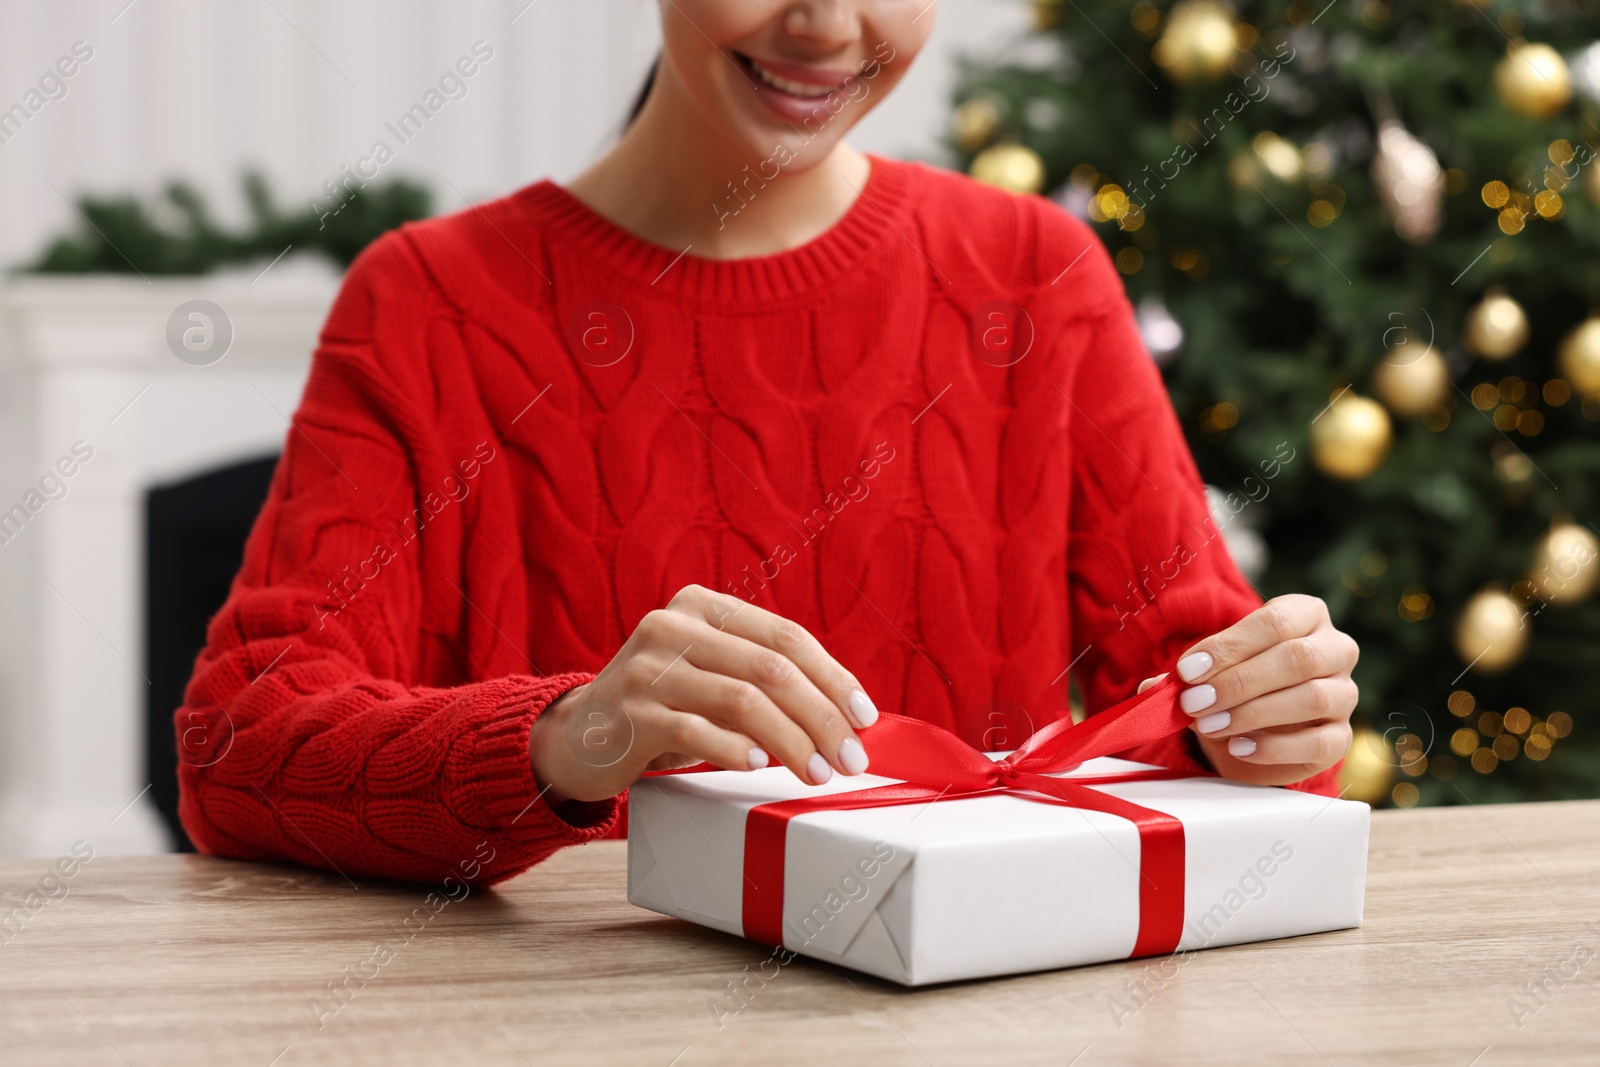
1481	947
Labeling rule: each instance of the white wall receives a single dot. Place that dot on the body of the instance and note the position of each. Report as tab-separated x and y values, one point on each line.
200	88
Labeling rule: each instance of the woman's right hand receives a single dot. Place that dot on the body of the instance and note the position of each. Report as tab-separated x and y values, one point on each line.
708	678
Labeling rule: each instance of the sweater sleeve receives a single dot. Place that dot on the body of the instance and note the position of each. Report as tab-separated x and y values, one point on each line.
1148	570
308	732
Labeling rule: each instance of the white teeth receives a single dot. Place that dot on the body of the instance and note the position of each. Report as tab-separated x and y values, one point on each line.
793	88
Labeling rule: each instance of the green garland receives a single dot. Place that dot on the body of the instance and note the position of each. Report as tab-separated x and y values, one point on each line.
176	233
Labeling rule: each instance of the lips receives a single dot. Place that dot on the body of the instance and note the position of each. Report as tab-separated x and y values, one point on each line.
803	82
796	92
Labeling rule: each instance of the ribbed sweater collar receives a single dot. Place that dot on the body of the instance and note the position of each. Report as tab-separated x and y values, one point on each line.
876	216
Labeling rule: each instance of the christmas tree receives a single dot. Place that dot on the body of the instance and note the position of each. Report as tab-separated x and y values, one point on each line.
1370	230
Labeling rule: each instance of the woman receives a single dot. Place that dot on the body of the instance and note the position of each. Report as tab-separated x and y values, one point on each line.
706	456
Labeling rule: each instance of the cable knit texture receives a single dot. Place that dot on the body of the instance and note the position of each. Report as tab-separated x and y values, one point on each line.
525	428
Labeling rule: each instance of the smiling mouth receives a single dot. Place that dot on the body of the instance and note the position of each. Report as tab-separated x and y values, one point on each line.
789	86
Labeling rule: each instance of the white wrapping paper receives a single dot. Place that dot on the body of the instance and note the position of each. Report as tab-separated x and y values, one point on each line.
997	885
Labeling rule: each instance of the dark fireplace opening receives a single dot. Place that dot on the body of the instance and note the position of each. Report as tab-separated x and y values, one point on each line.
194	541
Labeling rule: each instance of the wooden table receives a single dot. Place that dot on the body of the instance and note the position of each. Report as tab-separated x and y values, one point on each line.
183	959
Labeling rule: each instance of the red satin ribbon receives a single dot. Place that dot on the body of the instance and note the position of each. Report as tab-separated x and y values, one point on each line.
935	765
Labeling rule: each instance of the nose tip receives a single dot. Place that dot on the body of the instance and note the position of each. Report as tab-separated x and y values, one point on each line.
826	24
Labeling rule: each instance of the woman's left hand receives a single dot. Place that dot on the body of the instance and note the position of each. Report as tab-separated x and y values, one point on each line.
1271	695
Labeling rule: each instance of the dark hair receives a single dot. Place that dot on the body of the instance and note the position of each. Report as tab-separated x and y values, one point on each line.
644	93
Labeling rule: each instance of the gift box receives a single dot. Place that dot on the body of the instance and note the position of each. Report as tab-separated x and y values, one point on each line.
949	864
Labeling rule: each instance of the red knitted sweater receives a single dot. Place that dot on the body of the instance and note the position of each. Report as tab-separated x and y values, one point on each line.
525	428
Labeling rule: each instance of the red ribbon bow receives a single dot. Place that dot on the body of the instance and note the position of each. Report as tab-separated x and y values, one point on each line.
936	765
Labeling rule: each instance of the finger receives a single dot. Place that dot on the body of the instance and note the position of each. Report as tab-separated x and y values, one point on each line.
676	734
672	761
1315	746
813	739
1317	701
740	705
1148	682
790	689
786	637
1325	653
1280	619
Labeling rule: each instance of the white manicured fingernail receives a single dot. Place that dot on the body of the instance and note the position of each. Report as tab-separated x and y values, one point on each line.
1214	723
1198	699
756	760
817	768
1194	665
862	709
1241	746
852	756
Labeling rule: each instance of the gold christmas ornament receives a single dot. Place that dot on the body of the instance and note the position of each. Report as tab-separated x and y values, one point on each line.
1491	634
1580	358
1513	468
1198	43
1496	326
1411	379
1533	80
1368	768
1566	564
1350	439
1409	182
1013	167
1280	157
1046	14
974	123
1245	171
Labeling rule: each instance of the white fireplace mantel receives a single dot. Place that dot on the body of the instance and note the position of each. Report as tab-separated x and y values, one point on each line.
85	359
